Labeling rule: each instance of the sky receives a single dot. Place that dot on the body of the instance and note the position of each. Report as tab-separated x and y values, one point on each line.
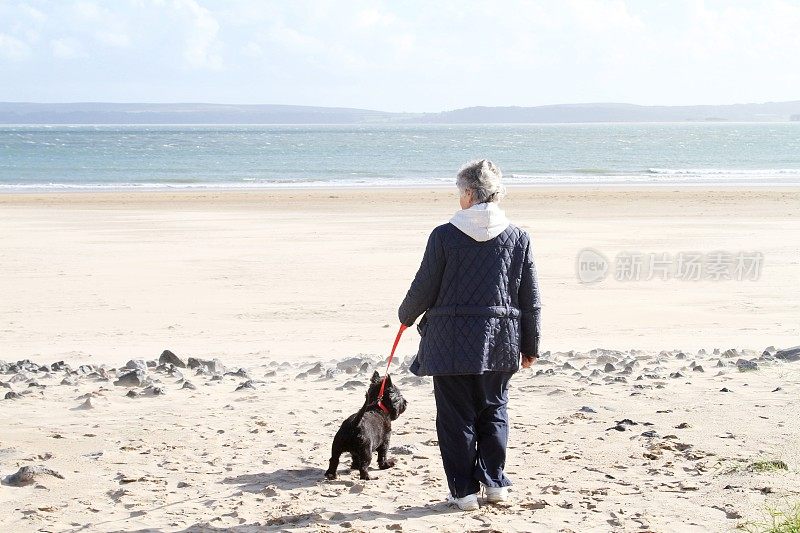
414	56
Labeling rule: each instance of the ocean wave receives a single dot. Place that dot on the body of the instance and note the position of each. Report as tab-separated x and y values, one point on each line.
243	185
724	171
716	178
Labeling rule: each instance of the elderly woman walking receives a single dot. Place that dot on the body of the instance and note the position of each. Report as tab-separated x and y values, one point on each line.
478	290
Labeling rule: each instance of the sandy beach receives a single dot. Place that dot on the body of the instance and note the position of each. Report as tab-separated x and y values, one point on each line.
296	292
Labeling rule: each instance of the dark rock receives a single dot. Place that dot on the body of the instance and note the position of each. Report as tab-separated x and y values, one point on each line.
189	385
69	380
776	389
682	425
730	353
604	358
137	364
609	368
676	375
627	422
100	374
242	373
183	485
60	365
17	378
25	365
132	394
11	395
28	474
316	369
352	385
719	364
86	405
587	409
351	364
152	390
650	433
725	389
169	357
698	368
85	370
246	385
680	355
134	378
215	365
789	354
744	365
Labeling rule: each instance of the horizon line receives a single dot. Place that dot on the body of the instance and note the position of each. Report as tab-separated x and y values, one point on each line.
477	106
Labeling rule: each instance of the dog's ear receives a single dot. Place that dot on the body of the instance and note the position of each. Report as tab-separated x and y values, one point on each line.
388	380
376	378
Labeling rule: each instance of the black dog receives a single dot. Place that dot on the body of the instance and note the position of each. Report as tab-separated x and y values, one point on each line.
369	429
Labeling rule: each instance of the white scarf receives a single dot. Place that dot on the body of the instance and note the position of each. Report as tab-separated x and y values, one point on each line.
481	221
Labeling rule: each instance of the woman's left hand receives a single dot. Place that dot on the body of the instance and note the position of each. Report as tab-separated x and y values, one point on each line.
527	361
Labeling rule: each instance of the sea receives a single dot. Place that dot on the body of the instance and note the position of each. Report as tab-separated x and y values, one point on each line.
100	157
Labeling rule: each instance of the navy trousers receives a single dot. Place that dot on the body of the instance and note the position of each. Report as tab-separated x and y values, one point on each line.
472	425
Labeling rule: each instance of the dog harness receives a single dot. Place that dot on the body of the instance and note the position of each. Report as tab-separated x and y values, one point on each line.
389	364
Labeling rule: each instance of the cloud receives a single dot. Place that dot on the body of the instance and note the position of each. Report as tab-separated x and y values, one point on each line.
66	48
13	48
373	17
202	46
411	55
106	26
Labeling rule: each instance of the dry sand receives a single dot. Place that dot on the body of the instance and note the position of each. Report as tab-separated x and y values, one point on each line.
276	282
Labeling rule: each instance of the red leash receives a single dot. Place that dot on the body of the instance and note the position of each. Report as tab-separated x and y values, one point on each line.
391	356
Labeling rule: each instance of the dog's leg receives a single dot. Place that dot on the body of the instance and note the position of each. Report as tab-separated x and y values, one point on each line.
336	452
362	460
385	462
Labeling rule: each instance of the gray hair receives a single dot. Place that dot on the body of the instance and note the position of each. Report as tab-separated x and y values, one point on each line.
483	177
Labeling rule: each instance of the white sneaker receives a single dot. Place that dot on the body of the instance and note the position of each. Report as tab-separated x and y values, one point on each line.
496	494
467	503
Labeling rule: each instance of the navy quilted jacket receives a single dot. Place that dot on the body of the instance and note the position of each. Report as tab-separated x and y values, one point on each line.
481	303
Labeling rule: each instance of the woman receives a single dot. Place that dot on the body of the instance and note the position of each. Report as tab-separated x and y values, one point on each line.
478	289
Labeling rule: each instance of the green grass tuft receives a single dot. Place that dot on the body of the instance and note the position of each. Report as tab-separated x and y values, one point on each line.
778	521
770	465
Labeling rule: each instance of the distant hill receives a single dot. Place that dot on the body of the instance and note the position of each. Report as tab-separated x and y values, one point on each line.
110	113
107	113
768	112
